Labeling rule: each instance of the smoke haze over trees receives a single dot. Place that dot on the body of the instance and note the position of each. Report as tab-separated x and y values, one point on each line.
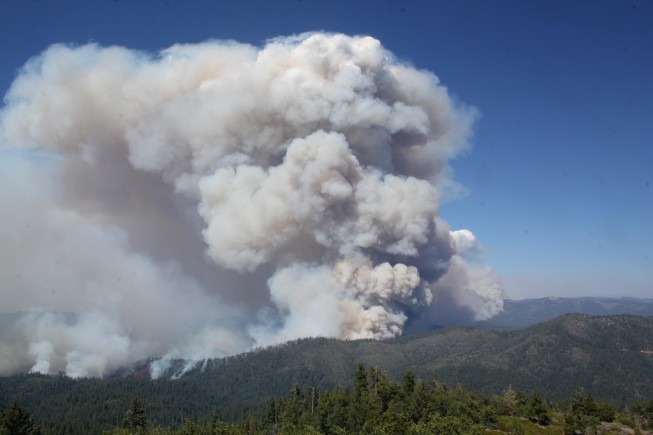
216	197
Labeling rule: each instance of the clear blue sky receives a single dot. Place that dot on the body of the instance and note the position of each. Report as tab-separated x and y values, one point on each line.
561	176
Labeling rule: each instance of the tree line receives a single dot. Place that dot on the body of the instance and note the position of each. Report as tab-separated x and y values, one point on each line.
376	404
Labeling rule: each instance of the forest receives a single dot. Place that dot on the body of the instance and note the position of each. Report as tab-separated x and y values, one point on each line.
374	403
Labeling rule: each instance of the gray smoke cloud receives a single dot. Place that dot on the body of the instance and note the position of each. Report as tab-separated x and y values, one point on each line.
217	197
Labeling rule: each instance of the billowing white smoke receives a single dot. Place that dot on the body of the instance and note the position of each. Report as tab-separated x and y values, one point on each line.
308	170
476	288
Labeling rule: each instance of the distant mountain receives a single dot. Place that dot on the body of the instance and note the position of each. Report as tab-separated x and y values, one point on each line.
519	314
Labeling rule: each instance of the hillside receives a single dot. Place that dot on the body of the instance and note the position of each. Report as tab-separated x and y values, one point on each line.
610	356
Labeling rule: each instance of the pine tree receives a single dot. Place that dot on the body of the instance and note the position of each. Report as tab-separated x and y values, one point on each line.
17	421
270	418
409	383
537	410
360	381
290	409
135	416
375	375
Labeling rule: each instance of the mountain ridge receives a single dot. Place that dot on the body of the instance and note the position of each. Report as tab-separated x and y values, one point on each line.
521	313
596	352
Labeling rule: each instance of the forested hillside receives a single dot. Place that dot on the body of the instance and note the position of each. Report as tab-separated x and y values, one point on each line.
375	404
372	404
610	357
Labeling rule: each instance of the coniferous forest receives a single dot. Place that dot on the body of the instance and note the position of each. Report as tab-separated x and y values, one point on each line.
372	404
574	374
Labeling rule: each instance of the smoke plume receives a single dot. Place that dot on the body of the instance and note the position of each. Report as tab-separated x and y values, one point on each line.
213	198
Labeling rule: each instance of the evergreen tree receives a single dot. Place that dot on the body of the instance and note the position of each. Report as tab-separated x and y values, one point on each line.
290	409
395	421
17	421
537	411
135	416
585	413
360	381
342	415
409	383
605	411
270	419
374	374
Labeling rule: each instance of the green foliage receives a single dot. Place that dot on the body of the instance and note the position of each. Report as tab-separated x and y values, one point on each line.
409	383
643	413
446	425
17	421
585	414
522	426
603	354
373	404
135	419
511	400
360	381
537	411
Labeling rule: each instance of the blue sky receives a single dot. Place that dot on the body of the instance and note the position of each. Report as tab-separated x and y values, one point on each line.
560	178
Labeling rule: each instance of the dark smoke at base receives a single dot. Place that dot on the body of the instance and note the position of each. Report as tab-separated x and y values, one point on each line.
217	197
